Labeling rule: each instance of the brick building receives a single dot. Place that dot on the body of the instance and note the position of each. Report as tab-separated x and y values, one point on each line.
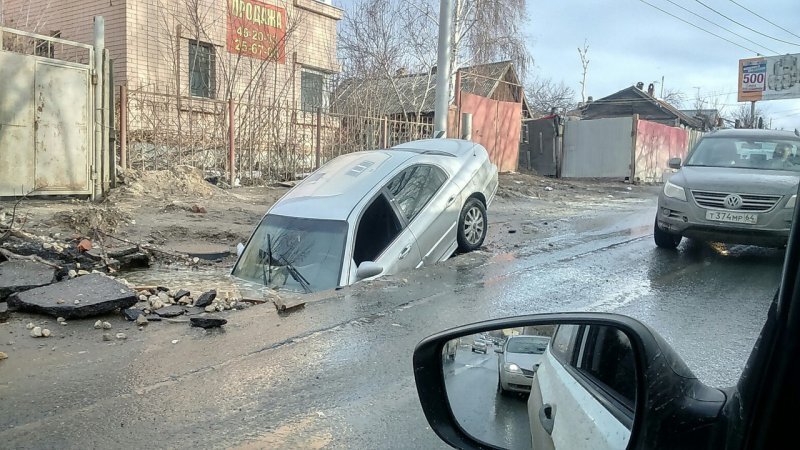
209	49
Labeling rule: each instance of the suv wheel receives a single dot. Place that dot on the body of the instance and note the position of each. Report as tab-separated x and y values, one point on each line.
664	239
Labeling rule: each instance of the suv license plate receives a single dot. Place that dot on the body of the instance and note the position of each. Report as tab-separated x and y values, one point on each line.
725	216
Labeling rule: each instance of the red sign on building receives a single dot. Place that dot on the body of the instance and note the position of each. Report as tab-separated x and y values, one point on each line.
257	30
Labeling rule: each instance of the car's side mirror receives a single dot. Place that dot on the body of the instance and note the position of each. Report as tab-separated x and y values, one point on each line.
368	269
239	249
498	350
546	392
674	163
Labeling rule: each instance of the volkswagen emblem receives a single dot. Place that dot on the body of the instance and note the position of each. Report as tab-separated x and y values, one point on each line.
733	201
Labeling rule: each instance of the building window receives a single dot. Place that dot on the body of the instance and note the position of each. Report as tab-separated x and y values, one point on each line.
313	93
201	69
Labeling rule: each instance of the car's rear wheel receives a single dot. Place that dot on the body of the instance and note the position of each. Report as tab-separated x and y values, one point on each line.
472	225
664	239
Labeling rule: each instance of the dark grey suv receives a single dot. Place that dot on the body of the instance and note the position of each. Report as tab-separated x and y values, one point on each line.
736	186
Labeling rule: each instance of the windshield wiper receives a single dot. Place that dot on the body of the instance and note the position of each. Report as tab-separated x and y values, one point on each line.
266	272
301	280
267	259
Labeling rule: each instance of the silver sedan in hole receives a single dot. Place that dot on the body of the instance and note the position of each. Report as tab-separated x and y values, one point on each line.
373	213
736	186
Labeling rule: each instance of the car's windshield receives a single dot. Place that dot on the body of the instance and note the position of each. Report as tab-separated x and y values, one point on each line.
529	345
747	153
306	254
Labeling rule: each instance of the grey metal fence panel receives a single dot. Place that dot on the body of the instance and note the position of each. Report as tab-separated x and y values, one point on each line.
45	115
62	129
599	148
17	158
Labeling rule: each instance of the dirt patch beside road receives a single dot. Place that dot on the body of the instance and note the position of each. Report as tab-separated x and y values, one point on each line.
178	211
175	210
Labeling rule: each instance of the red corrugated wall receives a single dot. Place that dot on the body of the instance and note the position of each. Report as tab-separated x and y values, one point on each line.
655	145
496	125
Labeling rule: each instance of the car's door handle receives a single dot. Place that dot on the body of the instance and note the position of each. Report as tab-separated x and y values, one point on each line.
547	417
404	252
451	200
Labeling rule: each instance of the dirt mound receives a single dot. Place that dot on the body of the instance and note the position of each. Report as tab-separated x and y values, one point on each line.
90	217
185	181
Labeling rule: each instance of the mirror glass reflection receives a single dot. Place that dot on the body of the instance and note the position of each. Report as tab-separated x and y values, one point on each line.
543	386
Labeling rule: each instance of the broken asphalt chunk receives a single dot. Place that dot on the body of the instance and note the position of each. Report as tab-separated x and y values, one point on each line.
207	321
171	311
18	276
180	294
206	298
132	313
85	296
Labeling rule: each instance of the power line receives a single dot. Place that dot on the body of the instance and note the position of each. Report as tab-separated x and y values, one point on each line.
718	25
699	28
763	18
745	26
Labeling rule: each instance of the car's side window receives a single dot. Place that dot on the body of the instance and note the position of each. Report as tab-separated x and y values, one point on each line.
413	188
563	343
608	361
377	228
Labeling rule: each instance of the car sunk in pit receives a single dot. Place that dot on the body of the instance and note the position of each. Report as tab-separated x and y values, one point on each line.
372	213
736	186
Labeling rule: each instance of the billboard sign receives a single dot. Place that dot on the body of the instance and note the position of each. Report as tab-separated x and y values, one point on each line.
257	30
769	78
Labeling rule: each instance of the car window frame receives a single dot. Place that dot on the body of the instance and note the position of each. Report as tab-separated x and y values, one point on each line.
357	223
438	189
570	354
600	391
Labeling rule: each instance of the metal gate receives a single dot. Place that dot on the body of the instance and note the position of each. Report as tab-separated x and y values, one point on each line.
46	115
540	149
598	148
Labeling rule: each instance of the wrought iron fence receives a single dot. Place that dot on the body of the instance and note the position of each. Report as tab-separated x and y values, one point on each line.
272	140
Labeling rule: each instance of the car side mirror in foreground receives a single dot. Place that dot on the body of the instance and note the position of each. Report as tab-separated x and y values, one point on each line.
239	249
368	269
674	163
498	350
572	380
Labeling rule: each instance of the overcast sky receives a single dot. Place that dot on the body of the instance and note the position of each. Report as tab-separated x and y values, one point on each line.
630	41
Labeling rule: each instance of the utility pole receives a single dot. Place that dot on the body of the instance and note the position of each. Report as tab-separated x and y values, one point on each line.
752	114
662	86
442	103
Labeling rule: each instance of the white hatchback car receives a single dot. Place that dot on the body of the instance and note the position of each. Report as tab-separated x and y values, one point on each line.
584	390
518	360
373	213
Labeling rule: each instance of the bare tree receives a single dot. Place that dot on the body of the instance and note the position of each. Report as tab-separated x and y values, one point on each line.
674	97
545	95
380	37
746	118
584	55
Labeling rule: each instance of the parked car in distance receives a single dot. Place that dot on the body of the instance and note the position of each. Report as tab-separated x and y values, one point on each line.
479	346
373	213
518	360
736	186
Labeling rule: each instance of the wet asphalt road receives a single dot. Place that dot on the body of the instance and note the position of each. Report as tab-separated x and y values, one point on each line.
483	412
338	374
